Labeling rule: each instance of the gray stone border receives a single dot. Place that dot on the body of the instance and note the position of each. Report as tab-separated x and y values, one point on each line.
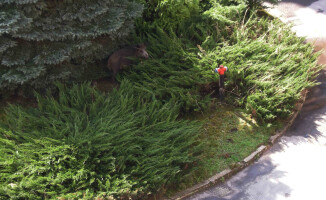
227	173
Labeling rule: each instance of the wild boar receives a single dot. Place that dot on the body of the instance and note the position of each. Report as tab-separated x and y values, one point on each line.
125	57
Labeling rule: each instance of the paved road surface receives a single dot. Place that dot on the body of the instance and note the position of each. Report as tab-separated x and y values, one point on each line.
295	167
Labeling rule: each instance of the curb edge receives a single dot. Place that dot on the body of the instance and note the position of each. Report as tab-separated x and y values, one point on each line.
227	173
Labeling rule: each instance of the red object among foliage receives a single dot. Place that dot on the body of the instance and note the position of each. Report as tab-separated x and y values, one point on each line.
222	69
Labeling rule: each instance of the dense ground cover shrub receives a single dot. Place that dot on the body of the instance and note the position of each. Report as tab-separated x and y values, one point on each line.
84	144
171	73
269	65
169	13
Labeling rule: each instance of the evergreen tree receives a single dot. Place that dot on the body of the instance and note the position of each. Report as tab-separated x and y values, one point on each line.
46	40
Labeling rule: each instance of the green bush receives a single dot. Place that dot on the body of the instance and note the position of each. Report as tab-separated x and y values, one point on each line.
171	73
83	144
79	143
169	13
269	65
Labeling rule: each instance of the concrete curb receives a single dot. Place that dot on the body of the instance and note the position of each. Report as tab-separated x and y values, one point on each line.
227	173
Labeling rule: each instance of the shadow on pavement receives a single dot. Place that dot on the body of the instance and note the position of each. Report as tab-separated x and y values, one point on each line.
304	3
250	182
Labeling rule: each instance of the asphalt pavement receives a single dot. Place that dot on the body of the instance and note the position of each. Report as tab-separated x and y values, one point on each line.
295	167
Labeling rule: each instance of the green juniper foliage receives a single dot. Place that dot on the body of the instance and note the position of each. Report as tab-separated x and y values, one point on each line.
86	144
169	13
79	143
171	72
46	40
269	65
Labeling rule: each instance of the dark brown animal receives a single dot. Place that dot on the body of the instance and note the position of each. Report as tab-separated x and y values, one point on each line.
125	57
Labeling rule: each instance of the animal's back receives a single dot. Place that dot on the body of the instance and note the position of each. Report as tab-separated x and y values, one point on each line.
120	58
123	57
